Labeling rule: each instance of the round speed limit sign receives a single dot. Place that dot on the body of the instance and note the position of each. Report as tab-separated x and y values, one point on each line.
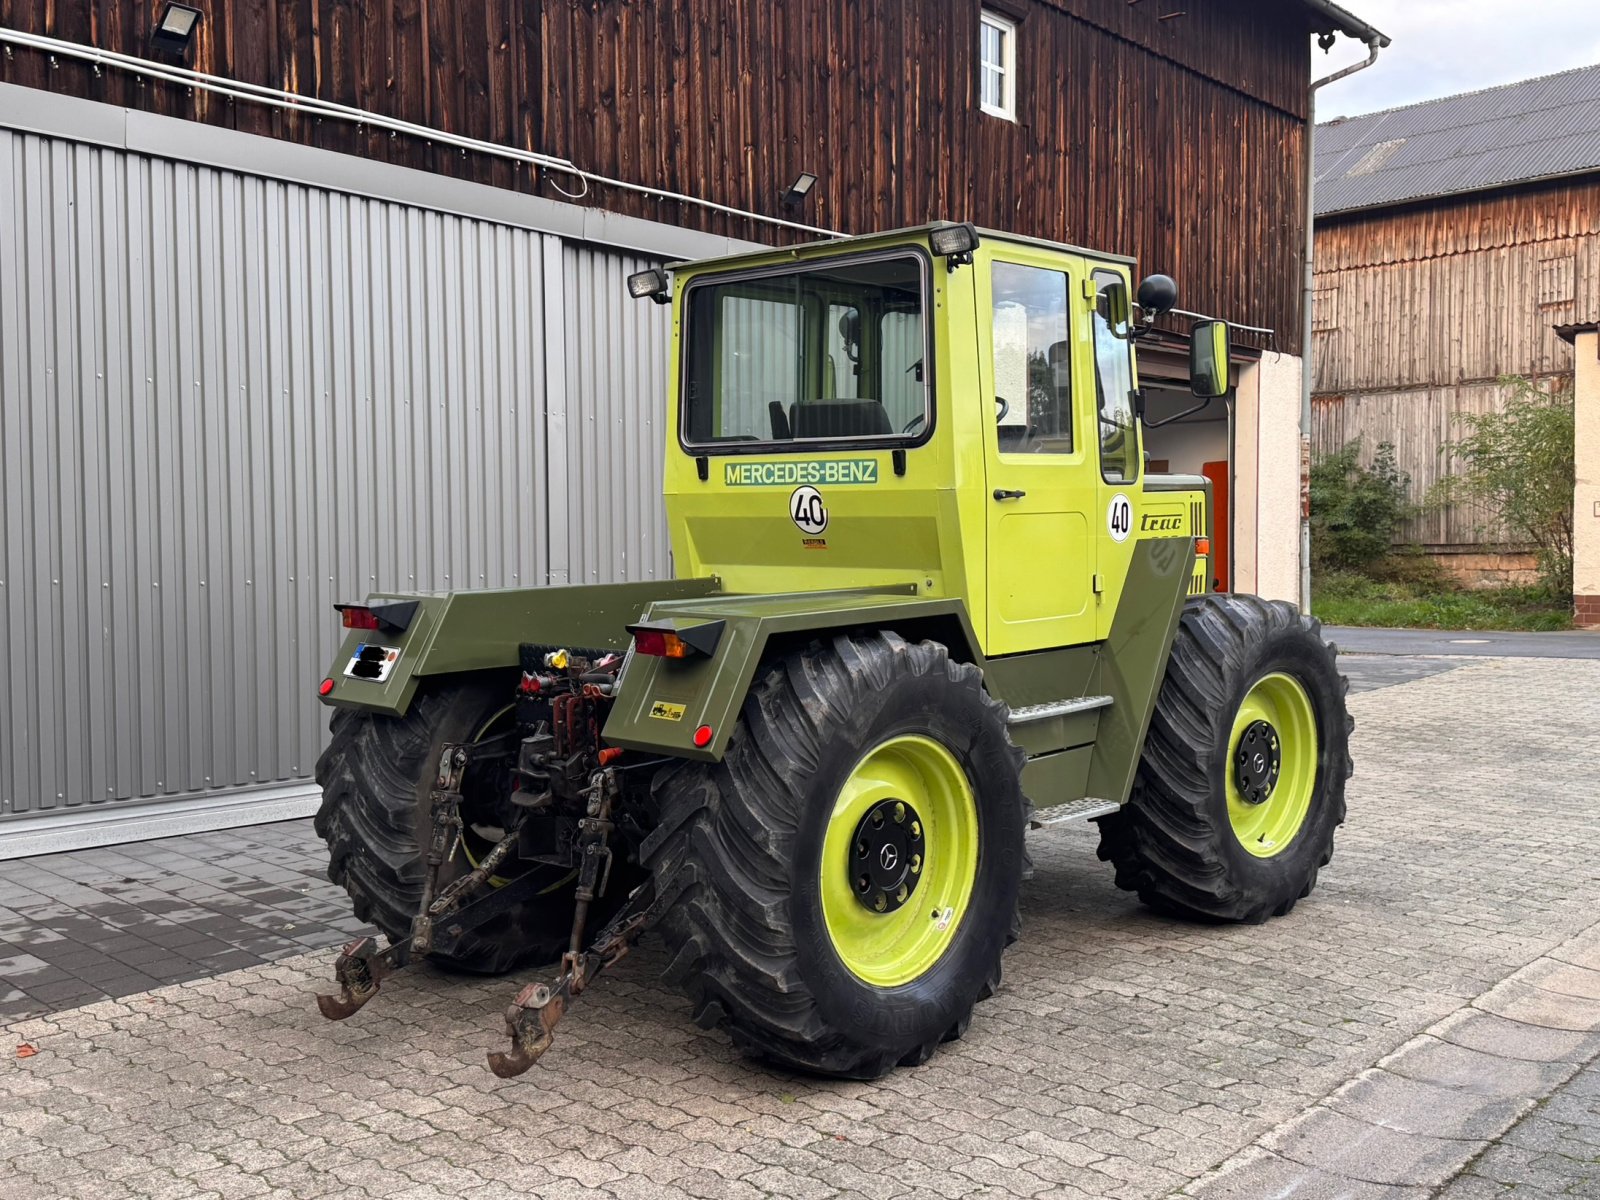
1119	518
808	511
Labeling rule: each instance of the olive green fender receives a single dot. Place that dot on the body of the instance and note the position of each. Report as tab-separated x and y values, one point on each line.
451	632
663	704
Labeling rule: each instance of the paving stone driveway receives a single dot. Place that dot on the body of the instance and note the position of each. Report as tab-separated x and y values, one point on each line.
1127	1055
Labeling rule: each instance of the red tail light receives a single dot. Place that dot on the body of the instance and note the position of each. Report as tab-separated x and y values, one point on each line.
356	617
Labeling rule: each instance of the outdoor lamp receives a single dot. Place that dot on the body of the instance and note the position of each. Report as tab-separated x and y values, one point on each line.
175	29
799	190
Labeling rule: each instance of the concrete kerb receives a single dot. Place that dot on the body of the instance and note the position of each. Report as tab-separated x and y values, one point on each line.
1422	1113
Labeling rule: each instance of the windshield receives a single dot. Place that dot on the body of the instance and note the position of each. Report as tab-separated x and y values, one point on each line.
831	353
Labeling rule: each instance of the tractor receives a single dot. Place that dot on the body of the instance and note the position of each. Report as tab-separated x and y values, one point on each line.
928	598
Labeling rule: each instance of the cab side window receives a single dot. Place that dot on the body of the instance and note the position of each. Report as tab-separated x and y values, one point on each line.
1032	379
1113	383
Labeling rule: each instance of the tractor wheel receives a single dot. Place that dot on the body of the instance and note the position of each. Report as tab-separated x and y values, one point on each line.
376	775
841	886
1241	784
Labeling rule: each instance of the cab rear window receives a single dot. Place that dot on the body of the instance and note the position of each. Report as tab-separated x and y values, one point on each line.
834	353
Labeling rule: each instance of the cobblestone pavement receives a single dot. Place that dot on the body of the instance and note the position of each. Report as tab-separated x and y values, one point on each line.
1126	1056
1553	1151
115	921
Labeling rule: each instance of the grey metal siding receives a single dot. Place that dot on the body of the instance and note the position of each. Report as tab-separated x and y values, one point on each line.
227	402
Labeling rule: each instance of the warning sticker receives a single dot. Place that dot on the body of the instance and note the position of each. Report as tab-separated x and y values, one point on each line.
666	710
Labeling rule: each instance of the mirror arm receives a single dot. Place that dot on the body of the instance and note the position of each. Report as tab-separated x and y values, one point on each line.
1188	412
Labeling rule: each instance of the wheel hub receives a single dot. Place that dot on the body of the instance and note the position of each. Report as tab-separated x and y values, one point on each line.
1257	762
886	856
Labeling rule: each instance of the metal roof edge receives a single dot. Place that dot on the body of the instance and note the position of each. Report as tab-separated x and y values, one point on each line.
1475	190
1569	333
1341	20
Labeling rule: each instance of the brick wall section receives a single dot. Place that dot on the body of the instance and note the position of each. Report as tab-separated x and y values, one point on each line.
1587	610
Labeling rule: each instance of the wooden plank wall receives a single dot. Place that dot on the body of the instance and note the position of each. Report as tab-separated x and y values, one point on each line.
1419	313
1176	140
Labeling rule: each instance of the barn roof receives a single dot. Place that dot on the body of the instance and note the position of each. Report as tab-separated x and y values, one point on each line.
1538	129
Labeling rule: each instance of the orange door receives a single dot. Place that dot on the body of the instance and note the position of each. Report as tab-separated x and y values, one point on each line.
1221	522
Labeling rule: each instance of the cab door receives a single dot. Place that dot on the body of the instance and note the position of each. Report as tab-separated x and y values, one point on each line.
1040	462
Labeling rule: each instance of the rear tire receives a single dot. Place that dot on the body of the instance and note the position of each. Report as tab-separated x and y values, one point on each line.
1198	839
377	775
753	856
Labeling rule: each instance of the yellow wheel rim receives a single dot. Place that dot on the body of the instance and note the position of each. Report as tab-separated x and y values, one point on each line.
905	821
1272	765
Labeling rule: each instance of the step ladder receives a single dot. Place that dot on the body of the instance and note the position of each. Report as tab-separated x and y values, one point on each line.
1087	808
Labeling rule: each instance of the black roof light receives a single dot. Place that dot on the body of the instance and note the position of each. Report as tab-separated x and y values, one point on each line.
652	284
955	242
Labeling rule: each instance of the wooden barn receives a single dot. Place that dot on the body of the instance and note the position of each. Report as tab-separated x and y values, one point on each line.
305	298
1453	239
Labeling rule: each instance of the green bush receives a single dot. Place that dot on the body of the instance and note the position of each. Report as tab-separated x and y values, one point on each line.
1518	463
1356	510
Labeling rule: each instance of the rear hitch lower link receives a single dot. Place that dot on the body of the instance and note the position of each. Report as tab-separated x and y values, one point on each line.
531	1019
361	967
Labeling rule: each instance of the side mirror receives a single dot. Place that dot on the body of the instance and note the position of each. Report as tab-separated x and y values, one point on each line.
1118	311
1208	359
1158	294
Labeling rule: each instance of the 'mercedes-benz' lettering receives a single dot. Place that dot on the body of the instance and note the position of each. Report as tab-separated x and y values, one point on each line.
794	472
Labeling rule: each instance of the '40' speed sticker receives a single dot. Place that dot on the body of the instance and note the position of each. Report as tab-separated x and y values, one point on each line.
1119	518
807	510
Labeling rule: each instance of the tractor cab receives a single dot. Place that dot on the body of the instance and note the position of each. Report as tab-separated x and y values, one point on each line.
941	408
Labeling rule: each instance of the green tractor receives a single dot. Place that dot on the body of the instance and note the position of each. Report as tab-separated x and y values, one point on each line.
929	598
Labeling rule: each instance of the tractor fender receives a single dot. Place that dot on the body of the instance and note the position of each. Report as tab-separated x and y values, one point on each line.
662	702
454	632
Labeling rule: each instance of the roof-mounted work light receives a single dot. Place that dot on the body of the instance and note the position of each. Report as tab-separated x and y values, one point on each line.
955	243
652	284
175	29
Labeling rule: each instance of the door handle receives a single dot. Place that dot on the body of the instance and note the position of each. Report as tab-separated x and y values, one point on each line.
1008	494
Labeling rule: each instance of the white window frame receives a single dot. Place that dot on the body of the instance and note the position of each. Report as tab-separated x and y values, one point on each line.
1007	29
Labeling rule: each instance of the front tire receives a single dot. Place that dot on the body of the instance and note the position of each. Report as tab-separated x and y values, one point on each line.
1241	784
788	920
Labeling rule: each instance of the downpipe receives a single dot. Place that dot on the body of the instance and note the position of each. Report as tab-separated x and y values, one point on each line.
1308	297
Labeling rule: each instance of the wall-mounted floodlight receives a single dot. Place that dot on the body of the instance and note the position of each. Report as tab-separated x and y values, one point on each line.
175	29
955	243
799	190
652	284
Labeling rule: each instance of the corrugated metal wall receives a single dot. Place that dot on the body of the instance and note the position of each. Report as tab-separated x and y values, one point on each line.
227	402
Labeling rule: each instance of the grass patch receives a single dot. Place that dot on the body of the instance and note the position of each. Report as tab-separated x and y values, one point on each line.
1403	602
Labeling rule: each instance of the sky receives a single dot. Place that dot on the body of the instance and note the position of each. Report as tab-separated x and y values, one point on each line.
1442	47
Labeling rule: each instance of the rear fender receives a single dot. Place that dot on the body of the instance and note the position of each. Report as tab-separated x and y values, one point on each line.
661	702
454	632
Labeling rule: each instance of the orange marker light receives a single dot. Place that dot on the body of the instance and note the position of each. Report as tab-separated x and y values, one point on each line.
703	736
1202	547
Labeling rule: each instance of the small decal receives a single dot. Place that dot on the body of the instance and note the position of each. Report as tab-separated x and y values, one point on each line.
814	543
807	510
666	710
1119	518
791	471
941	918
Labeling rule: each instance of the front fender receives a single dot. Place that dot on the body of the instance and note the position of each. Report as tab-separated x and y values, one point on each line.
453	632
661	702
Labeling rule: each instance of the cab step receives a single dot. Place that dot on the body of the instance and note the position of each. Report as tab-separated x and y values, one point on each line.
1086	809
1057	708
